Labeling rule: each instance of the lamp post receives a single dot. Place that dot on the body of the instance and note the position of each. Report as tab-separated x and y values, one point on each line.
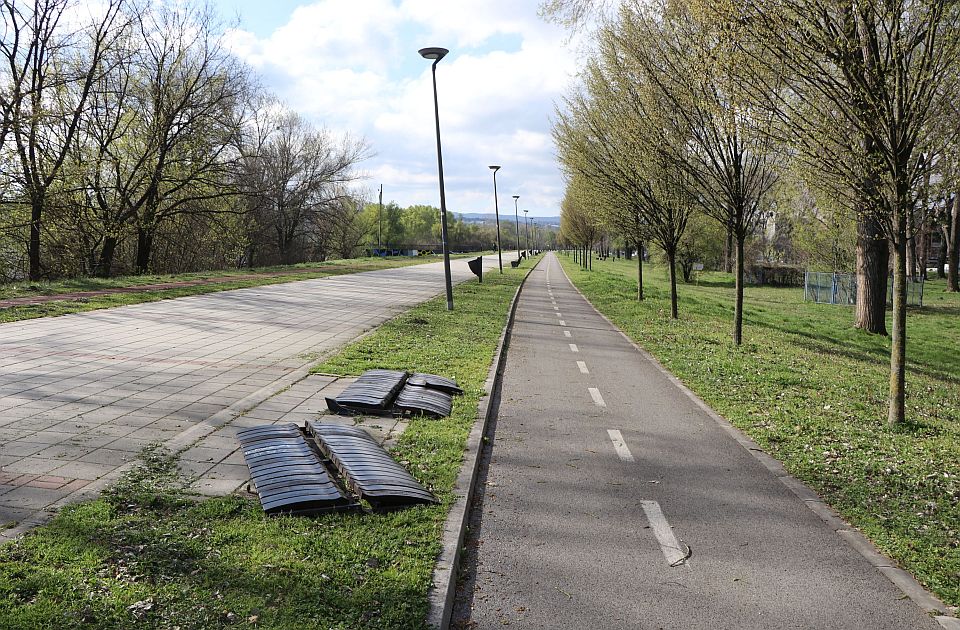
526	227
496	210
380	220
517	217
436	54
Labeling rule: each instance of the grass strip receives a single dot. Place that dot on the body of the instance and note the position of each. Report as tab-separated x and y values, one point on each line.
147	554
209	282
811	390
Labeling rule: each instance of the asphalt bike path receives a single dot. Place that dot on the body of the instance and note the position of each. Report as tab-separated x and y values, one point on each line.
609	499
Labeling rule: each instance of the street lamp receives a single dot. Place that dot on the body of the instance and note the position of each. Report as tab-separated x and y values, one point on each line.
496	210
436	54
526	227
517	217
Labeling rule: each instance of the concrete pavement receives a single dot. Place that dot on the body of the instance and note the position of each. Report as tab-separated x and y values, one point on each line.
82	394
610	499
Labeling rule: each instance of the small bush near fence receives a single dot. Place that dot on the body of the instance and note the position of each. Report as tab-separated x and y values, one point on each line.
841	288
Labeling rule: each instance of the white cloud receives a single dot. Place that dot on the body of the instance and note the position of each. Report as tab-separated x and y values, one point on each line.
353	66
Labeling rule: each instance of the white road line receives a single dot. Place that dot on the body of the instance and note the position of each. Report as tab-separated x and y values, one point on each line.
566	333
556	308
598	399
574	348
563	323
619	445
559	315
583	367
673	551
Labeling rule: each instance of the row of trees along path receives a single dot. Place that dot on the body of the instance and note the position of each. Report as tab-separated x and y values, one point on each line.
705	107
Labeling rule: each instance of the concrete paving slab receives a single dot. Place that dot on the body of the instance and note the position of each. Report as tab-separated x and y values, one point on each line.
35	465
83	470
203	454
107	456
217	487
29	498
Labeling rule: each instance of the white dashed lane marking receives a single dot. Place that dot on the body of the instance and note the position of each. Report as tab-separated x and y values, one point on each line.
597	398
583	367
566	333
673	551
574	348
563	323
619	445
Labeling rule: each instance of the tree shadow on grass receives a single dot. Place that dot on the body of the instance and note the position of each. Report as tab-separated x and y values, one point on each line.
823	345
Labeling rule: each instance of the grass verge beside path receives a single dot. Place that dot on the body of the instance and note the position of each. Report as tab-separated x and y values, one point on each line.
148	555
811	390
201	282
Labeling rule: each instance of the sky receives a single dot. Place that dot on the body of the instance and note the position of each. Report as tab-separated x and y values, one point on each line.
352	66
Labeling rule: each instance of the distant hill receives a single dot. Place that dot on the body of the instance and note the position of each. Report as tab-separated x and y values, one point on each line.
483	217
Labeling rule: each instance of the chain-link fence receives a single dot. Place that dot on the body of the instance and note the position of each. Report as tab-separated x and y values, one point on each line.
830	288
841	288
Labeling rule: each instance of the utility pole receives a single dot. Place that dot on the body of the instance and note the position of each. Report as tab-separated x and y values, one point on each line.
379	216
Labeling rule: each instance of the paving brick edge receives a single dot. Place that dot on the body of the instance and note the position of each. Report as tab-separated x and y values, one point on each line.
908	585
443	588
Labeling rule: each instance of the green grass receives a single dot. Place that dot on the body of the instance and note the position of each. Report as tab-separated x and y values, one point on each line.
213	281
148	555
811	390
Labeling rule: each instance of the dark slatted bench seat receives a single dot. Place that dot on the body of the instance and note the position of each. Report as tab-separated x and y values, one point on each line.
367	469
287	473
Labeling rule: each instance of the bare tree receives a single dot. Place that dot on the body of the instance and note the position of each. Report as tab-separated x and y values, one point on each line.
295	180
54	68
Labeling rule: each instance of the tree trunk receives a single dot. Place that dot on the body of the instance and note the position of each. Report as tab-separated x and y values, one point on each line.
738	308
144	247
639	271
942	254
873	257
898	348
923	249
672	261
105	260
33	246
911	246
728	250
953	247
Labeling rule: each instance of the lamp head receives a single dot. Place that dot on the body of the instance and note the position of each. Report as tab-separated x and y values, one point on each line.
516	196
434	54
494	168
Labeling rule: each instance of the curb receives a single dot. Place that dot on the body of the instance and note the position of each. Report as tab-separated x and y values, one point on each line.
443	588
905	582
